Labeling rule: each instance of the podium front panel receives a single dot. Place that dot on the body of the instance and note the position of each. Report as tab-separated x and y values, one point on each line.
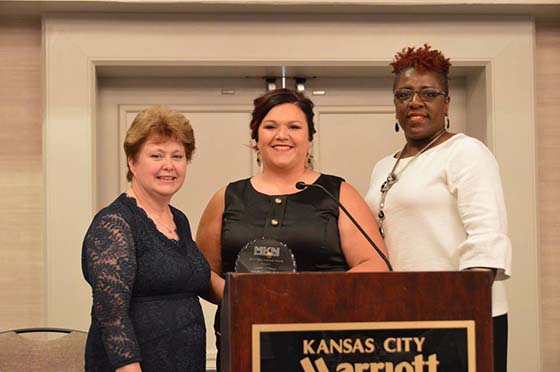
357	321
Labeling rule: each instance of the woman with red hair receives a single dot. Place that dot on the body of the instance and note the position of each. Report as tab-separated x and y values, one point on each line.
439	201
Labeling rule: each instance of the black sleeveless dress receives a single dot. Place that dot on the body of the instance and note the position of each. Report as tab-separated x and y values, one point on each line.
306	221
145	292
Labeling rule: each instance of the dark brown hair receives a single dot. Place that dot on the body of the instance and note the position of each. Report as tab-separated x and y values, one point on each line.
273	98
422	59
161	122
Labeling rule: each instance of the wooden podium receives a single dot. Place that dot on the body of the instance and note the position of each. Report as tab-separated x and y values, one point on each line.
349	322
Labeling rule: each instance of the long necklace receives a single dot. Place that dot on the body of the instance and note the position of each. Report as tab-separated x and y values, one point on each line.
393	177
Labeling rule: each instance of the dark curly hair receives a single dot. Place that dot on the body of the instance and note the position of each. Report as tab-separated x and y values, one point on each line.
273	98
422	59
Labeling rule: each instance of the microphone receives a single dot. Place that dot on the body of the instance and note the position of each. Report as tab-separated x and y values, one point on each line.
300	185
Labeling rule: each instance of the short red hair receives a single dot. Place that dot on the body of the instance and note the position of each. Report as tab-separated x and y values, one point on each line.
423	59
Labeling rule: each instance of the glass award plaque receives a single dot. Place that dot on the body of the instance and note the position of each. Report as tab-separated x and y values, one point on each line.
265	256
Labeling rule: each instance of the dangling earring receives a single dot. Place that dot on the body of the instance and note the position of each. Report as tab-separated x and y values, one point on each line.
396	126
447	121
309	162
259	160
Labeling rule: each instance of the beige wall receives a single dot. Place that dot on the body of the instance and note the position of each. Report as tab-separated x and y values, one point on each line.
22	258
547	63
22	294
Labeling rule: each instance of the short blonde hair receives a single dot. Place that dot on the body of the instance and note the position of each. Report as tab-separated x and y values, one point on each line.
162	122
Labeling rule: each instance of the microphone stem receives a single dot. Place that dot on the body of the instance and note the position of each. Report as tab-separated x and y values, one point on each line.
385	259
379	252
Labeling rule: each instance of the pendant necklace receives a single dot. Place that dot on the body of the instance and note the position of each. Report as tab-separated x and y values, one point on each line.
169	230
393	177
132	194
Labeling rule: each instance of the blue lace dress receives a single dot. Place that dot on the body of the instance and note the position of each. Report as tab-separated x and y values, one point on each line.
145	292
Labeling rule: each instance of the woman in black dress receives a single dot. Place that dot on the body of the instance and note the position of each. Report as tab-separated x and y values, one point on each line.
138	256
269	204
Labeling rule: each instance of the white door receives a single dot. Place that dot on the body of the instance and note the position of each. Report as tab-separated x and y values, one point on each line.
354	120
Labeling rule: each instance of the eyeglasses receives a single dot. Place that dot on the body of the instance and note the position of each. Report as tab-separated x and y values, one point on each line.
426	94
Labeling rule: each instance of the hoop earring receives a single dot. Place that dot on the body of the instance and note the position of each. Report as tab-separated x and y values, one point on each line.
259	160
396	126
447	121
